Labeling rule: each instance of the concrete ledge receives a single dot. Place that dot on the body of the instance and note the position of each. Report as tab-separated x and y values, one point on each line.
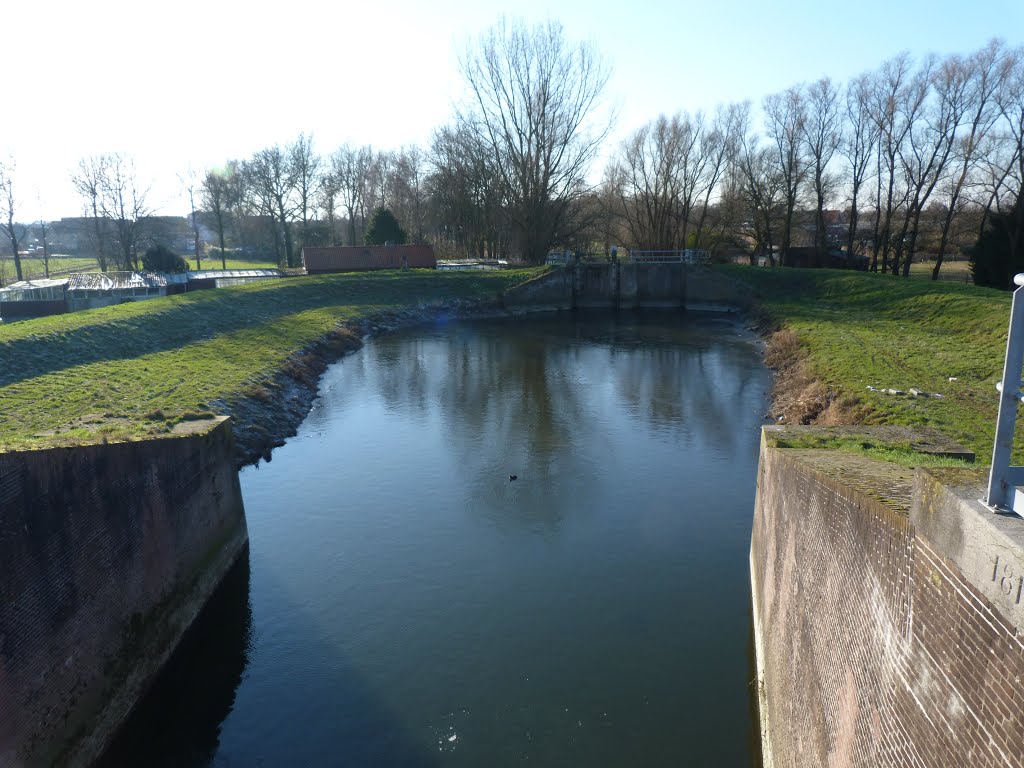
987	547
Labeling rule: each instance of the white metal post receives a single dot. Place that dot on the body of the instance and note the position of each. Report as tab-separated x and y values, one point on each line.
1003	478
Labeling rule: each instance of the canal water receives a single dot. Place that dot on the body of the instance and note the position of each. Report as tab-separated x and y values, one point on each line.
403	602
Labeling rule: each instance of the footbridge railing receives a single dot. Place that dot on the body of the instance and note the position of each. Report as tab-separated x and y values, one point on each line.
685	256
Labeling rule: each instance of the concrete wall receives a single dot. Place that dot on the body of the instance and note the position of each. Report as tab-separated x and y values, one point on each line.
875	645
552	291
107	553
625	285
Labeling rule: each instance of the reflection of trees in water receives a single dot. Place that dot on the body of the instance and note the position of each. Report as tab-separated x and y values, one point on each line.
532	396
178	721
690	392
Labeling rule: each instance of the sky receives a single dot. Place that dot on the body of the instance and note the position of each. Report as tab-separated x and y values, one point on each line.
186	86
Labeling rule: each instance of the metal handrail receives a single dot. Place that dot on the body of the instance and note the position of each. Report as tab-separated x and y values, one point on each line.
687	256
1003	478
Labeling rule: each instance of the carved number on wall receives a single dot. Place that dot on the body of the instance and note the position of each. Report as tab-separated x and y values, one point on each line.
1008	583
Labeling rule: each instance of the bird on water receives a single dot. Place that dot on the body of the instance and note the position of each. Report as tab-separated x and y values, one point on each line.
513	477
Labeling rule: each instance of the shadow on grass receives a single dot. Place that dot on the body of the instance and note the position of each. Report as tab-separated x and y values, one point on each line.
161	325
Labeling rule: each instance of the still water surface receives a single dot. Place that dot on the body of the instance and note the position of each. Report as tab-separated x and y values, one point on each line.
404	603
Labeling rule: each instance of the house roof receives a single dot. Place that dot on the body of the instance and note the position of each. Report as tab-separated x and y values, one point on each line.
112	281
209	274
27	285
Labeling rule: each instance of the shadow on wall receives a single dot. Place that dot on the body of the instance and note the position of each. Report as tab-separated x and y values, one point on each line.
178	722
182	720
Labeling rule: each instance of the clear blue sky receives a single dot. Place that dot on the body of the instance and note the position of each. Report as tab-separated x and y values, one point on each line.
197	82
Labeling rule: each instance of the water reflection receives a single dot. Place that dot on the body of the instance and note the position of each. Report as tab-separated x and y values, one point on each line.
533	405
412	606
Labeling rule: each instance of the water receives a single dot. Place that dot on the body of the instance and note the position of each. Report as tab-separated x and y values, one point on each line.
404	603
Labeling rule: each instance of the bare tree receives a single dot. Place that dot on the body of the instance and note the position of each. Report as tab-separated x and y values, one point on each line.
270	180
894	121
533	101
1005	207
859	141
720	146
216	194
466	193
306	166
88	180
649	173
8	206
935	106
985	75
408	191
764	190
379	180
350	168
785	118
123	204
666	170
190	183
327	198
822	131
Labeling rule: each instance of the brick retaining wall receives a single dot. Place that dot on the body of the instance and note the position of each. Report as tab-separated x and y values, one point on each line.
107	553
874	648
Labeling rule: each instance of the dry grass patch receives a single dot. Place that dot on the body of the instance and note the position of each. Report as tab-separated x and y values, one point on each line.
798	395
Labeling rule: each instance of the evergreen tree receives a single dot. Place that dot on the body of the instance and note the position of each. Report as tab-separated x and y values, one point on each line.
162	259
384	228
999	253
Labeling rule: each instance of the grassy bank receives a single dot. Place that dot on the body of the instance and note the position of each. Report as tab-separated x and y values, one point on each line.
856	331
137	369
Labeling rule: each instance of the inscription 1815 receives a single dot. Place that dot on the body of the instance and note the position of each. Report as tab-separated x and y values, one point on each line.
1010	584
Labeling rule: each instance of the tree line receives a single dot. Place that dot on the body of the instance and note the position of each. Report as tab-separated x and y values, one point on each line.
916	156
932	147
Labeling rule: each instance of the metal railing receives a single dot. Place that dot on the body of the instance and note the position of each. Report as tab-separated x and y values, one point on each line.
687	256
1003	478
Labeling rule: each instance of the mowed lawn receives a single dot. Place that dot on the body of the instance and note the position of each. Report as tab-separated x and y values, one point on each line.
127	371
864	330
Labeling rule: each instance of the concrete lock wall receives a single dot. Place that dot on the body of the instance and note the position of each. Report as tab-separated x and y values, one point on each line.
888	613
625	285
107	554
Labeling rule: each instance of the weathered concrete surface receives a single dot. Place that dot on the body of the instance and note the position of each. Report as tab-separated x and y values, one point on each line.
553	291
875	648
625	285
107	553
987	547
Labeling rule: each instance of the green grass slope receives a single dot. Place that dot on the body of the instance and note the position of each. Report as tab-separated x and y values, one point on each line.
869	330
136	369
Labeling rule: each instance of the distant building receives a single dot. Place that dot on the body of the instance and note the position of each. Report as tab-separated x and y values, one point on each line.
362	258
32	298
36	298
462	265
101	289
222	278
